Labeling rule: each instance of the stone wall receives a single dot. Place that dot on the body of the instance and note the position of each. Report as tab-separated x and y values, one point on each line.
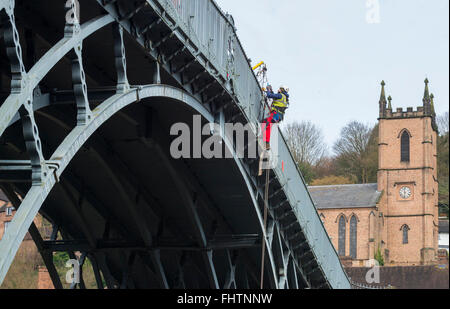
407	277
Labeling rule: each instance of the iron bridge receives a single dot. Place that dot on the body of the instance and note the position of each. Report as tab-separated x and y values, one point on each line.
89	90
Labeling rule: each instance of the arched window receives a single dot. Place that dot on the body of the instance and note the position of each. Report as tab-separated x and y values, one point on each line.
405	147
372	218
405	229
341	244
353	236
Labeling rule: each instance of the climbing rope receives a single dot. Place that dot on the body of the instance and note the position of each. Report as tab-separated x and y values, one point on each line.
266	207
261	74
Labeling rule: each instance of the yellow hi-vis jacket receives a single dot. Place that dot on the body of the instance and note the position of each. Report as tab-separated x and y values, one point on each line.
280	105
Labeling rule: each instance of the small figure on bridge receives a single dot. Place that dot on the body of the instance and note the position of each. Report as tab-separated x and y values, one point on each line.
279	106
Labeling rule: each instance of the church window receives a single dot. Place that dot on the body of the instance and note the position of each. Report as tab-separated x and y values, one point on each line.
405	230
405	147
353	236
341	245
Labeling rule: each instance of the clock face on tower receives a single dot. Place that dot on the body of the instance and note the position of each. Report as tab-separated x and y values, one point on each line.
405	193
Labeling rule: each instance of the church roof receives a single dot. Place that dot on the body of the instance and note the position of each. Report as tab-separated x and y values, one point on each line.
345	196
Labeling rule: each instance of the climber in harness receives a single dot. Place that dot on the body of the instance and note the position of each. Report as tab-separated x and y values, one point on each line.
278	109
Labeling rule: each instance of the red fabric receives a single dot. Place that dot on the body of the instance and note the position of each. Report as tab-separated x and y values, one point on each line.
267	126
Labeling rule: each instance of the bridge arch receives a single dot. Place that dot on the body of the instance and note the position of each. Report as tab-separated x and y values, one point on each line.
76	139
162	47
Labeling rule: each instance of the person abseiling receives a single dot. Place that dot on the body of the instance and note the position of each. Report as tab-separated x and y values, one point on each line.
278	109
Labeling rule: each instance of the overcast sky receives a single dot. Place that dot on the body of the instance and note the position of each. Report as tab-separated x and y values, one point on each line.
333	60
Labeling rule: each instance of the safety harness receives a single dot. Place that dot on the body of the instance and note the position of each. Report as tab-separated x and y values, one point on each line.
280	105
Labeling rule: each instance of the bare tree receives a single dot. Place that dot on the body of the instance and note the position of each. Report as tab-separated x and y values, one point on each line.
325	167
356	151
306	142
353	140
442	122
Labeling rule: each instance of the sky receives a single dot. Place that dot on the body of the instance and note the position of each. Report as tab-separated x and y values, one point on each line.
333	59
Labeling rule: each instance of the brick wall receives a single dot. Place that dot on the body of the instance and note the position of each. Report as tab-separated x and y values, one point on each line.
420	211
44	280
3	217
365	247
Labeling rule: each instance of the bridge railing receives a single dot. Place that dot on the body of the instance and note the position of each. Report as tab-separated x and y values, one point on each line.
206	26
296	191
214	33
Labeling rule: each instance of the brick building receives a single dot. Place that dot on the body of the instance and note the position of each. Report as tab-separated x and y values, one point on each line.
6	213
349	213
398	216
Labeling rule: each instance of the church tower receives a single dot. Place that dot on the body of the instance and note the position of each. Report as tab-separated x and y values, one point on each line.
407	176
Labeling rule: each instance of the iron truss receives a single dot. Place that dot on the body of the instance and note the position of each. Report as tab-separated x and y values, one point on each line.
84	141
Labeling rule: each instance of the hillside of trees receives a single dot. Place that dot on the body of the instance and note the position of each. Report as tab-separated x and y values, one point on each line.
353	158
443	168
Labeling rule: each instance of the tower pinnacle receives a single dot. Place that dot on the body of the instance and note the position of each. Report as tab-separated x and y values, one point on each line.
383	93
383	101
427	99
426	95
433	112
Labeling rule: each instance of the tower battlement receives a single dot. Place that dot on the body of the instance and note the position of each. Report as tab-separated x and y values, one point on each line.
408	113
426	110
